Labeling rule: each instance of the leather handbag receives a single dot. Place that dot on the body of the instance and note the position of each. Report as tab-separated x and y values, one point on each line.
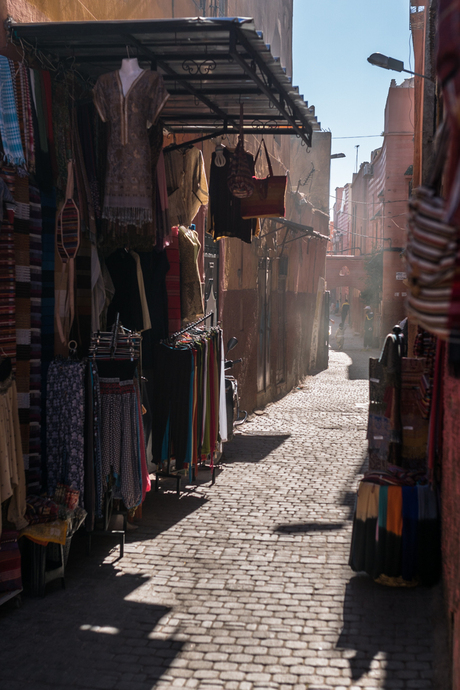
240	179
431	251
268	197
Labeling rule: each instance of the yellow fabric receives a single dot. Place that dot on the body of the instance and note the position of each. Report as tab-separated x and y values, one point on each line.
47	531
368	501
12	476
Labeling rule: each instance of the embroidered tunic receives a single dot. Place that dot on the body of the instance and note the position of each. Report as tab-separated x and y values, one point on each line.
128	185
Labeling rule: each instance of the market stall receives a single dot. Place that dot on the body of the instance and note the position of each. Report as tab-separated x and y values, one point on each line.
110	369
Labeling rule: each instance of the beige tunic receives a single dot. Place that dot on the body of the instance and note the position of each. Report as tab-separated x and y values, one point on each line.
12	476
187	184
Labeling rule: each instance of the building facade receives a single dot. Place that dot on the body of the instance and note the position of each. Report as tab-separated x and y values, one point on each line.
370	213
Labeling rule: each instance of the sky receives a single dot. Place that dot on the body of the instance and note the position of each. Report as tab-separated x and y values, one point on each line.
332	40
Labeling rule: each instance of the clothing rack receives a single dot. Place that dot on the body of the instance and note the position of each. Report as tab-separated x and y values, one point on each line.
176	335
167	473
119	343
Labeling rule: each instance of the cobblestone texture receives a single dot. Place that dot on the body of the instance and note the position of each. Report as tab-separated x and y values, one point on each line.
243	585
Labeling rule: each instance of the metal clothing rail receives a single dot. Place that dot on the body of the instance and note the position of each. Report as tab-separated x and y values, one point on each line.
176	335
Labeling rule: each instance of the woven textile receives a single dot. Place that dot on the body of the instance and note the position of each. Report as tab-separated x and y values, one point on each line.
23	333
36	255
48	207
9	125
21	88
65	411
7	277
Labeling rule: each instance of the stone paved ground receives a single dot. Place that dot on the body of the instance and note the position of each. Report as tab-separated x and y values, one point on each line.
242	585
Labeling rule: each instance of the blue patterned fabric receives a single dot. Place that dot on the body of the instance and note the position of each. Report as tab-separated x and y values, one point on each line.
9	124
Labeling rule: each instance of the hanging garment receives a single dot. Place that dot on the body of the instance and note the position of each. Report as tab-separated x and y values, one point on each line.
173	283
126	300
190	283
128	186
65	420
225	209
21	87
186	184
12	476
120	430
13	152
171	380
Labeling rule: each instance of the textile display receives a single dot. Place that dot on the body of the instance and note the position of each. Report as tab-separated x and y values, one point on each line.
187	381
396	530
23	307
13	152
36	257
128	186
414	412
7	272
120	443
186	182
65	417
448	73
12	475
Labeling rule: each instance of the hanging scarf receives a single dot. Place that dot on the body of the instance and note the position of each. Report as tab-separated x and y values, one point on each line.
9	125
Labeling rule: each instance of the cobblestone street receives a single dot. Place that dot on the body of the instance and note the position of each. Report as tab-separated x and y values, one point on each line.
241	585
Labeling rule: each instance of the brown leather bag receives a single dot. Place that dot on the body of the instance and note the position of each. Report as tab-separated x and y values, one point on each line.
268	197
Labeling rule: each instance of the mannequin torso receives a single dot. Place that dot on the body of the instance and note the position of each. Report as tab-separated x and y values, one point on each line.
129	72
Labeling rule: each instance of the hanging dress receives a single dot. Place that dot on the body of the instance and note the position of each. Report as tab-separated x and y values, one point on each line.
128	184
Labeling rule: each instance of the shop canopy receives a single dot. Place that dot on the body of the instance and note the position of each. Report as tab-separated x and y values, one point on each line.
210	67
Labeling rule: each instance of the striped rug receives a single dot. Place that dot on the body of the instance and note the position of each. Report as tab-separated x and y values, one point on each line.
48	207
36	255
7	277
23	307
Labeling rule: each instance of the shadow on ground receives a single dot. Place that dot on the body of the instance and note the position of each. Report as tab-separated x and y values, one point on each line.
252	447
87	636
310	527
386	620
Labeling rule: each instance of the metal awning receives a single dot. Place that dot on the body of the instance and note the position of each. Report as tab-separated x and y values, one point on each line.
210	66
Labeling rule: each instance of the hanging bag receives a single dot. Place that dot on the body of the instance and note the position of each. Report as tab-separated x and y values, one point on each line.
268	198
68	243
240	180
431	250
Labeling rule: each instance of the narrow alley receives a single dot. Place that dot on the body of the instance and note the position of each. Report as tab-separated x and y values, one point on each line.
239	585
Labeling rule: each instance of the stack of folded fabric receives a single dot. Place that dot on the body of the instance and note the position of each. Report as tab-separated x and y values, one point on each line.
396	528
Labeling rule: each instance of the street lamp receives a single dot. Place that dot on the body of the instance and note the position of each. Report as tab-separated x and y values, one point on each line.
337	155
391	63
